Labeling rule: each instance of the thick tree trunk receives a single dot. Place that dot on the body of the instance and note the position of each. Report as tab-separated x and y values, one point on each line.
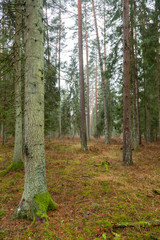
18	143
88	104
36	199
81	80
127	152
103	80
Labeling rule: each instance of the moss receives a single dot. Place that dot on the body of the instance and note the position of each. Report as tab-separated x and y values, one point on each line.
15	166
1	212
45	203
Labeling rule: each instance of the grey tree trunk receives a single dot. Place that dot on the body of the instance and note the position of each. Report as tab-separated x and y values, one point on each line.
18	143
127	152
103	80
35	199
81	80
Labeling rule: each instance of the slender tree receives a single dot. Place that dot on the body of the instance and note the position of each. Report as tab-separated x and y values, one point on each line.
88	104
157	13
81	80
17	157
59	69
103	79
136	79
35	199
127	152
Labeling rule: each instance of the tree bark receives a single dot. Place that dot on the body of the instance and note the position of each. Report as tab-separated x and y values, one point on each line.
103	80
81	80
136	81
133	77
59	71
157	58
4	137
127	152
17	157
35	200
88	104
96	105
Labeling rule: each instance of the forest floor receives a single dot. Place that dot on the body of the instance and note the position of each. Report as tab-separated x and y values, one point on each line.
97	197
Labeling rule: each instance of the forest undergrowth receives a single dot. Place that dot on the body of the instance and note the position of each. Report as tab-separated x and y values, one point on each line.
97	197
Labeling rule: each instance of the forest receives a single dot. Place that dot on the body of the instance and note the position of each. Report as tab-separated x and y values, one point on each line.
79	119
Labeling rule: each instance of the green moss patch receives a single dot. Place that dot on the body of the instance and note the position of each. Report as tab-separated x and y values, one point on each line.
15	166
45	203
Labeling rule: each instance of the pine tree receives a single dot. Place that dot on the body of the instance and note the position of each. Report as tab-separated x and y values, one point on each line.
81	80
127	152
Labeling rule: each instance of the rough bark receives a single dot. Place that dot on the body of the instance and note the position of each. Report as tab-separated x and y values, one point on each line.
96	105
81	80
59	71
48	62
17	157
157	58
4	136
35	199
88	104
103	80
133	77
107	80
136	80
127	153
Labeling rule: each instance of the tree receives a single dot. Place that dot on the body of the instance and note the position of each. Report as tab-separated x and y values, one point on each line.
35	199
17	157
88	105
157	13
103	79
59	70
127	152
81	80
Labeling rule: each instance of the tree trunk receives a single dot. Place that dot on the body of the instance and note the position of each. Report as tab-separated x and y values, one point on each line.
136	81
127	152
4	137
59	71
18	143
103	80
108	96
88	104
36	199
96	105
157	58
81	80
48	64
133	77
